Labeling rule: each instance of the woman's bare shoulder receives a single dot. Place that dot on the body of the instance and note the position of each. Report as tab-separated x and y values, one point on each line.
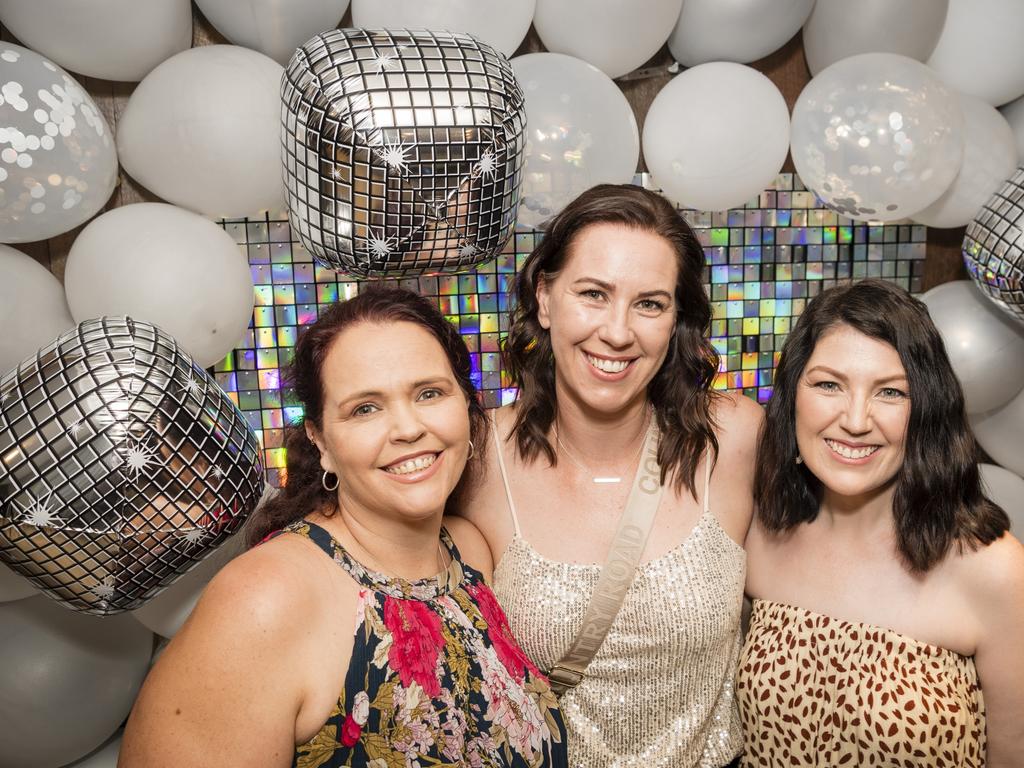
471	543
241	661
737	417
992	576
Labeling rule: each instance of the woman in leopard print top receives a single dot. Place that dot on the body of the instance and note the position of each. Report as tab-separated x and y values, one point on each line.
888	620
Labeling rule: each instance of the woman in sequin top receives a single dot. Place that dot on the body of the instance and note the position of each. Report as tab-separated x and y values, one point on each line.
609	333
888	620
355	634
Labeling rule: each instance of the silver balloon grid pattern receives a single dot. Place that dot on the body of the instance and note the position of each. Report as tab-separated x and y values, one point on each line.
994	247
402	150
764	262
122	465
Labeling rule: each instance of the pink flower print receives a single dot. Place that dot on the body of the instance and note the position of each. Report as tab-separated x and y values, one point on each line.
350	731
416	643
511	655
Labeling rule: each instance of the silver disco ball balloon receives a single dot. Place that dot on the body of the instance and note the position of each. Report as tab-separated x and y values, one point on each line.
403	150
994	247
122	465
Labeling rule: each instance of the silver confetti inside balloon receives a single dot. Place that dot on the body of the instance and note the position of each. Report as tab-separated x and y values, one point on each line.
993	247
403	150
122	465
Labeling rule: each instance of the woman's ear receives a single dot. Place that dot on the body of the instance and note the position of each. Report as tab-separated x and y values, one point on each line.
543	293
314	436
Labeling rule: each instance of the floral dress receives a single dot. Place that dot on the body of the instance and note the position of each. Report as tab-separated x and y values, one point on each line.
435	679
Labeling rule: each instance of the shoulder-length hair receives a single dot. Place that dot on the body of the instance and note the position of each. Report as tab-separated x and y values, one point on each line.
680	392
938	500
303	491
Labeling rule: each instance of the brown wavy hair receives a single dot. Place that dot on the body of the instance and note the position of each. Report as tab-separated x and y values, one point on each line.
938	501
303	492
680	392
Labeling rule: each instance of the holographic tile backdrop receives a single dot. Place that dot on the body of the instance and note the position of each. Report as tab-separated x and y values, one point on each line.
764	262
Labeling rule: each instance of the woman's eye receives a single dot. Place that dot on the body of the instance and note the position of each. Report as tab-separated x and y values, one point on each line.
892	393
591	293
364	410
651	305
430	394
828	386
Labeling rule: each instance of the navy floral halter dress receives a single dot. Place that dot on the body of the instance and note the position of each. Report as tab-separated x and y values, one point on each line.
436	678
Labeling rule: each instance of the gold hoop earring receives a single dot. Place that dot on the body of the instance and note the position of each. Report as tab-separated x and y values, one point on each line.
323	481
472	450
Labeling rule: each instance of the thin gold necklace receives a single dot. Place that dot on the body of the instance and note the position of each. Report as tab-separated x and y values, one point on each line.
601	479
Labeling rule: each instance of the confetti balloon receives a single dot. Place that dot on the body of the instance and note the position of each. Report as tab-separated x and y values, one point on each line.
877	137
994	247
403	150
58	164
122	465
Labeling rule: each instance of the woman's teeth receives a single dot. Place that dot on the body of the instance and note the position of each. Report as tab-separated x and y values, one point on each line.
412	465
608	366
851	453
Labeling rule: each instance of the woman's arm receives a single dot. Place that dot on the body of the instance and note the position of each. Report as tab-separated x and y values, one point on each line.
997	586
228	689
739	420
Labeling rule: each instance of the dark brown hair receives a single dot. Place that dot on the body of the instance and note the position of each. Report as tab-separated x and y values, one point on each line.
680	391
303	492
938	499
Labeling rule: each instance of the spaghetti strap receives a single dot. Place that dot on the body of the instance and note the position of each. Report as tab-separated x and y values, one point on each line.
504	477
707	482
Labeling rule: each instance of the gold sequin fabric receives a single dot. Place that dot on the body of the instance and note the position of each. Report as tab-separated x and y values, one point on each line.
659	691
817	691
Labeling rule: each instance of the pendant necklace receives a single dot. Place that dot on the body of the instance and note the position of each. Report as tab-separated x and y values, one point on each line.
600	479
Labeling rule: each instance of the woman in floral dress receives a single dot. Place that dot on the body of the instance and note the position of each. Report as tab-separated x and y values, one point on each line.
360	585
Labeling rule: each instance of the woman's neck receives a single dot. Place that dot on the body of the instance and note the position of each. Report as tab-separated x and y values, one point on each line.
601	438
862	516
407	549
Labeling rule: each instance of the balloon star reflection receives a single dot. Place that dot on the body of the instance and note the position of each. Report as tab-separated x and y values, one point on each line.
122	465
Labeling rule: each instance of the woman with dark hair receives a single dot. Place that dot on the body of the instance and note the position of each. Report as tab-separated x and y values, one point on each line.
888	594
360	585
607	346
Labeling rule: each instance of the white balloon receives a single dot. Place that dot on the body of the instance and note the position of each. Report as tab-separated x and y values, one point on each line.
104	757
877	136
985	347
837	29
58	165
61	667
273	27
169	267
1001	433
734	30
500	23
33	310
979	50
1007	490
165	613
616	36
112	39
203	131
1014	114
13	586
990	158
732	152
580	131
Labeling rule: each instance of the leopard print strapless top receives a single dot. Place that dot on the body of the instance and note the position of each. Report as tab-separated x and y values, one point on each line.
816	691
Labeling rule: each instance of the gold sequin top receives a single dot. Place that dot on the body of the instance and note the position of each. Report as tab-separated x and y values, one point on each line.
818	691
659	691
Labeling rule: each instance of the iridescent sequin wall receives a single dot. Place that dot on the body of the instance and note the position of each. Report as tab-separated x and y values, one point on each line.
764	262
